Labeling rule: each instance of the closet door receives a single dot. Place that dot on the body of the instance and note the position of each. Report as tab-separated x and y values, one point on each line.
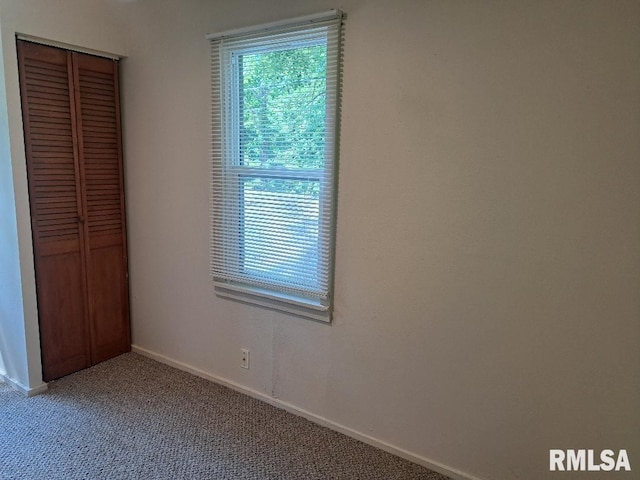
96	81
71	115
48	108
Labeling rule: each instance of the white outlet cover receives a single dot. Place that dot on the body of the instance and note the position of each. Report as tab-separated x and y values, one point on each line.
244	362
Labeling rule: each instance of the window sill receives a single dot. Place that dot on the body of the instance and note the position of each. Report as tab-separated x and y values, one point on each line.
283	302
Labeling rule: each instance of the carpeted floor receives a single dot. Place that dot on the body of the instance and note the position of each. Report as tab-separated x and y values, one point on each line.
134	418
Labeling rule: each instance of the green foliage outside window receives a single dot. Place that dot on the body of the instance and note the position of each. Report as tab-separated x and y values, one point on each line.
282	114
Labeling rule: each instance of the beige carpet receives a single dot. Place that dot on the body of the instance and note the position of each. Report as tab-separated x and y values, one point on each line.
134	418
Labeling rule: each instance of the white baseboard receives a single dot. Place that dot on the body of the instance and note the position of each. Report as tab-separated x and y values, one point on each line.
325	422
23	389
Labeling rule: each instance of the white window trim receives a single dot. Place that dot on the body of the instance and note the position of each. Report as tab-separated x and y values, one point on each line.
280	24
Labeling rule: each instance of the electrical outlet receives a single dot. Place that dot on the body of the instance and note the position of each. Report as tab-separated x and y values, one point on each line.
244	358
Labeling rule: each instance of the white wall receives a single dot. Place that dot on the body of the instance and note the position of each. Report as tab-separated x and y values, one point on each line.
90	24
488	251
12	337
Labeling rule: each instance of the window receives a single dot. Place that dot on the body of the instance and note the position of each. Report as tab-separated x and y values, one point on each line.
274	143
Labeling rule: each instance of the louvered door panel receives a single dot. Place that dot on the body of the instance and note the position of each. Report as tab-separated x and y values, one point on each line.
101	161
48	108
51	145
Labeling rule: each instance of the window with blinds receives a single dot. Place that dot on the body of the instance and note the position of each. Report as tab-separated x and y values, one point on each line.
274	109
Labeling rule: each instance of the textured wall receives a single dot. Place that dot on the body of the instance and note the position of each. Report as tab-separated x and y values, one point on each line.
488	250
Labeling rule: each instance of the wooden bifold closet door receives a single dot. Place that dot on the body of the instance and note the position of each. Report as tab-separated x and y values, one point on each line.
71	116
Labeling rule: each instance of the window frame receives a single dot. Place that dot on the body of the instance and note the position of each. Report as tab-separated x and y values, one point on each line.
227	244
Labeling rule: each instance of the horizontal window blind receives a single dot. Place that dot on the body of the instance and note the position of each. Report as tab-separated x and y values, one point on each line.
274	104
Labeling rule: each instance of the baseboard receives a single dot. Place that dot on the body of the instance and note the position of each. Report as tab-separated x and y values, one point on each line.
325	422
26	391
